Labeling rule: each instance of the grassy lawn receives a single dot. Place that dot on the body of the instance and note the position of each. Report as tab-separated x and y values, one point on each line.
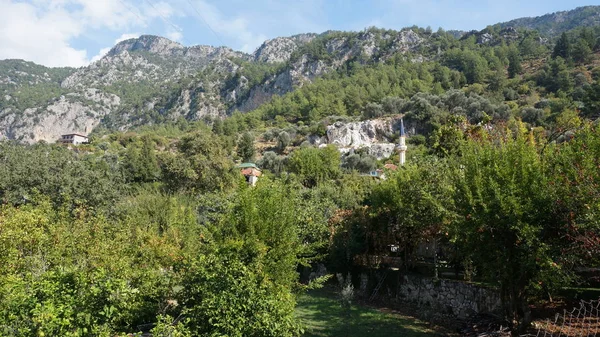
322	315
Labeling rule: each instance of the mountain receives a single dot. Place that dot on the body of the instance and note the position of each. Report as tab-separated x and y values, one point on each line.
151	79
552	25
280	49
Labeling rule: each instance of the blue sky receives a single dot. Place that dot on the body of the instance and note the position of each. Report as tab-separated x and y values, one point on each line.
77	32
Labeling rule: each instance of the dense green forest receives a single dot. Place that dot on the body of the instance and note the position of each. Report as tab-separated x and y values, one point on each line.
154	229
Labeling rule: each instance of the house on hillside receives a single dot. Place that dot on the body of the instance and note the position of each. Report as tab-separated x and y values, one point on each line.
73	138
390	167
380	173
250	171
377	174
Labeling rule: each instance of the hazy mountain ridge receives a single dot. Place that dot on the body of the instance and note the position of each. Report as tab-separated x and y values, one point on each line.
554	24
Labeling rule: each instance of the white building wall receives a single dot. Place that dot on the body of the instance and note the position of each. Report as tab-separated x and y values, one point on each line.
79	139
252	180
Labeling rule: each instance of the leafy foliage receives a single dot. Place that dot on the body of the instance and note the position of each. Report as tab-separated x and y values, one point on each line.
54	171
504	216
200	164
315	165
153	229
245	148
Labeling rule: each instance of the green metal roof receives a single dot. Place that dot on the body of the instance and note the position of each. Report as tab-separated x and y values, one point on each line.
247	165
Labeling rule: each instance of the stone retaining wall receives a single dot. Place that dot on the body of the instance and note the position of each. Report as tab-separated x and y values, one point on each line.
458	298
450	297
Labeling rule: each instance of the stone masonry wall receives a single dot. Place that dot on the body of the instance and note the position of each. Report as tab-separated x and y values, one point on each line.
458	298
448	297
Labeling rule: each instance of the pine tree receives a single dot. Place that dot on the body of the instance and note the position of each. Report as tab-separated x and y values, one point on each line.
149	169
562	47
581	51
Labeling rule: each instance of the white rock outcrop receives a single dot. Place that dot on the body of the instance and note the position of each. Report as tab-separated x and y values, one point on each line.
372	134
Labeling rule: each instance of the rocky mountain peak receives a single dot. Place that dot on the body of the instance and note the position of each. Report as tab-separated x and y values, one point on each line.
152	58
281	48
164	47
149	43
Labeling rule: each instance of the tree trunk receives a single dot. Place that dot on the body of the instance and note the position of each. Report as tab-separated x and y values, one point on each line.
516	308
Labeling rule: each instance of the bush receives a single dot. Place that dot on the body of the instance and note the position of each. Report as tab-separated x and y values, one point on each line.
224	296
166	326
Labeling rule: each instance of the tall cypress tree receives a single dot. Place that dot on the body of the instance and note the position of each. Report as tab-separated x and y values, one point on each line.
514	62
245	147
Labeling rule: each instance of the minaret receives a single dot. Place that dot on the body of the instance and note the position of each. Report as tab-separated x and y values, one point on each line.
402	146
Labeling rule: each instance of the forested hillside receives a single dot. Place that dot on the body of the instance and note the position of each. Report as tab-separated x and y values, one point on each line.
151	227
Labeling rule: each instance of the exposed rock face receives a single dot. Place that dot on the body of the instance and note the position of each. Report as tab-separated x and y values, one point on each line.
153	76
372	134
357	134
152	44
300	72
306	68
406	41
280	49
484	38
382	150
152	58
508	34
166	48
66	115
110	69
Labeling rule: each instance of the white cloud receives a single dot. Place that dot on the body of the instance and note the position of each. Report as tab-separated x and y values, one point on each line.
175	35
42	38
42	31
104	51
113	14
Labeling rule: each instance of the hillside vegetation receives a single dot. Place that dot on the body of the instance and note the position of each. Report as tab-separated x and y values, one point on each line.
151	228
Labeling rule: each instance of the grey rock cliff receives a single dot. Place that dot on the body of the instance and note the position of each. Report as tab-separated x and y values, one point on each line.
305	68
154	76
281	48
